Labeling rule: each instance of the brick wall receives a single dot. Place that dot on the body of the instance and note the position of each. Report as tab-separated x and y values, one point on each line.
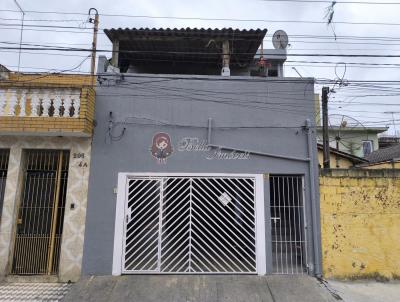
48	80
360	223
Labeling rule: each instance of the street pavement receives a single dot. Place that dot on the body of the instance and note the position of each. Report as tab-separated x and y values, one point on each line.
189	288
210	288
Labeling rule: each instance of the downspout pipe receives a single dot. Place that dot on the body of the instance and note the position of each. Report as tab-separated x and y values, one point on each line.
314	194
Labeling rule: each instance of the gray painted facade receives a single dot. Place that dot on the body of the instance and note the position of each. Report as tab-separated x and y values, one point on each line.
248	113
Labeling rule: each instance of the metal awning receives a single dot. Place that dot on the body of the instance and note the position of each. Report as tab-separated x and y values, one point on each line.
139	46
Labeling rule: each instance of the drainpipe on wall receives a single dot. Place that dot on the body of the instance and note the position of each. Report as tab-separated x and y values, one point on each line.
314	194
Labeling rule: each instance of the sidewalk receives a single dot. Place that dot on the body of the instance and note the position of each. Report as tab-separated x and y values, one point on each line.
189	288
33	291
366	291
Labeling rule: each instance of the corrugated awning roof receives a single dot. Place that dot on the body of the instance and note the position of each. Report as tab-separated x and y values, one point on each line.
189	45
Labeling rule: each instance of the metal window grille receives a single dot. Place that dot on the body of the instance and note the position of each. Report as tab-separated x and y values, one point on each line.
41	212
4	156
289	255
190	225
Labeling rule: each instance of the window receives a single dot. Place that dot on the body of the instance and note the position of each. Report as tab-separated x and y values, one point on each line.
367	147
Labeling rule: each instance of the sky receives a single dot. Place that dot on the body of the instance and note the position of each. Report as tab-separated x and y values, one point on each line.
365	104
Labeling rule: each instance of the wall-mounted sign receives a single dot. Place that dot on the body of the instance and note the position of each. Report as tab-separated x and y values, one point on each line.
221	154
194	144
161	147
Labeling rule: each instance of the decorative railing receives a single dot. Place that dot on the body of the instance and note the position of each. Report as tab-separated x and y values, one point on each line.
40	102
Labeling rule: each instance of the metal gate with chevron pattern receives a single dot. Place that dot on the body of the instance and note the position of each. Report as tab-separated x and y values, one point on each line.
190	225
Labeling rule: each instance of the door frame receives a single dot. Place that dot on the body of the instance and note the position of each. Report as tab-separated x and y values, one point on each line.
119	227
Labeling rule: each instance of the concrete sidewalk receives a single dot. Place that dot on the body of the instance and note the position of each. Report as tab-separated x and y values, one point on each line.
185	288
366	291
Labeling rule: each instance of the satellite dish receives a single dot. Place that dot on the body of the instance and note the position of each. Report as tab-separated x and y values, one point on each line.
339	124
280	39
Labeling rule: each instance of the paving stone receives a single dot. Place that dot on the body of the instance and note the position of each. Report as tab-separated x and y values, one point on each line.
33	291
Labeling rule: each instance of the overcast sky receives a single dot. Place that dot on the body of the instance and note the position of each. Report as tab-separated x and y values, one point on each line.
349	101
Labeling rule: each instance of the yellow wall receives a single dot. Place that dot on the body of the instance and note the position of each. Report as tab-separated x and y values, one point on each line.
47	80
360	225
335	160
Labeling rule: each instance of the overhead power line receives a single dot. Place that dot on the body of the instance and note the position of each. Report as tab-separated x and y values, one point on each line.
347	63
238	36
365	40
194	18
44	20
303	63
320	81
200	53
336	2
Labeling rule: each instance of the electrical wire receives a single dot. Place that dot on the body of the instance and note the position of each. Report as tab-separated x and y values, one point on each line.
336	2
200	53
238	35
55	72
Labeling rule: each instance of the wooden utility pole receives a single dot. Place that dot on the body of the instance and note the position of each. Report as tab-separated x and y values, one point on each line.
325	133
94	43
20	37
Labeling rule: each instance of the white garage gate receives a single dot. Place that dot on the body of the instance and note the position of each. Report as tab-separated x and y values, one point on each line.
174	223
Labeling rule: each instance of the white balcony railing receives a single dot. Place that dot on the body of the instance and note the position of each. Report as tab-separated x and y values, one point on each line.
40	102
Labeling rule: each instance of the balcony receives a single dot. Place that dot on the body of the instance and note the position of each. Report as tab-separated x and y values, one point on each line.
46	110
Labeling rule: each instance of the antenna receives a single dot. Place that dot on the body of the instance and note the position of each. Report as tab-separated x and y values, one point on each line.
22	30
295	69
394	124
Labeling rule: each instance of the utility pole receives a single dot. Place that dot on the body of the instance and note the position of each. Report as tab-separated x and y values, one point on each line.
94	43
22	30
325	133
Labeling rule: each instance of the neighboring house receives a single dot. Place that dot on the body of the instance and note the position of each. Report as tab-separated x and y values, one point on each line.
339	159
387	158
358	141
388	140
46	126
195	171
